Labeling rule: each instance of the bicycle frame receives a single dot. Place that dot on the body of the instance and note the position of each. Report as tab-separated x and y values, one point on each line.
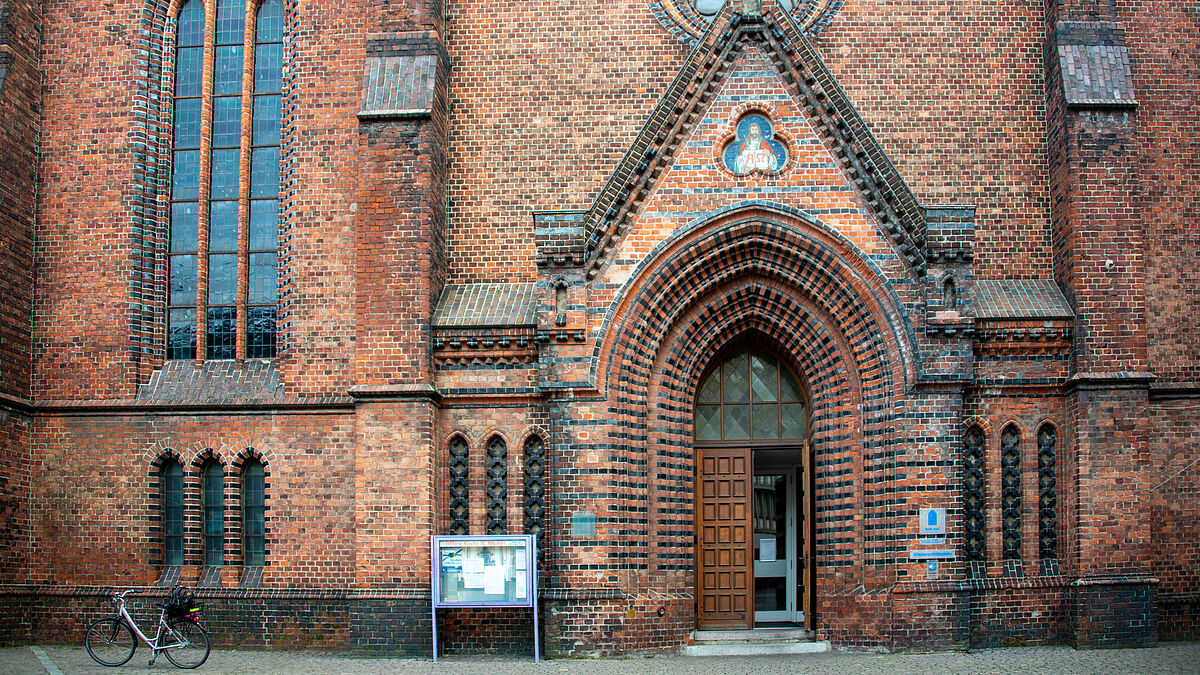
119	599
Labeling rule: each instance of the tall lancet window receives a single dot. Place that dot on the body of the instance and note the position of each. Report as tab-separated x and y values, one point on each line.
225	181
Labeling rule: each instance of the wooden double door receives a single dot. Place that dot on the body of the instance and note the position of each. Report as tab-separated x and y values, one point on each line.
753	536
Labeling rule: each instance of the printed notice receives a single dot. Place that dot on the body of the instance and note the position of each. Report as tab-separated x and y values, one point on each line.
766	549
522	585
472	570
493	580
520	553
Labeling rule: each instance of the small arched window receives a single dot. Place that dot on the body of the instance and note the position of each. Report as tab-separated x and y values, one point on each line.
171	483
253	514
214	514
460	510
1010	491
497	486
750	396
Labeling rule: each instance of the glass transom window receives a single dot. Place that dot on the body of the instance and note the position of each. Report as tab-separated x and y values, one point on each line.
750	397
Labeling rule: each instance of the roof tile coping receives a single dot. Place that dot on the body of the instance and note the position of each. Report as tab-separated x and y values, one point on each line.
1020	299
486	304
249	380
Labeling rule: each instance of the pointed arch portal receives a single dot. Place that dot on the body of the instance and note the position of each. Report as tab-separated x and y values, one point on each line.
754	508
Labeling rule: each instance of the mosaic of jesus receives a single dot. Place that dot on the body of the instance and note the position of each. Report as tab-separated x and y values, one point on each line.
755	149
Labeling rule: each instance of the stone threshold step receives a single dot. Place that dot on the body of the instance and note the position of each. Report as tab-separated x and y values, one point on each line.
751	649
756	635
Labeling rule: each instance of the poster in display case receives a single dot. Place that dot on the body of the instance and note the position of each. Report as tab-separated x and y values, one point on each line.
484	571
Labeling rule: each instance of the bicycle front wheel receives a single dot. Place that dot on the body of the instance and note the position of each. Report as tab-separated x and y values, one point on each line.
194	648
110	642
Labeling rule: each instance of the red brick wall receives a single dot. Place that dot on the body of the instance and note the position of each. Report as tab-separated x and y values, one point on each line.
545	100
1163	44
954	93
94	510
322	94
81	329
20	107
1174	497
15	475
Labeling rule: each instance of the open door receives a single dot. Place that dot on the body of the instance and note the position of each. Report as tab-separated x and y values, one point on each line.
754	510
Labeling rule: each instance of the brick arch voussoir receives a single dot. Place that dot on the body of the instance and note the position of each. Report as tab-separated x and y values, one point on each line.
834	278
821	356
251	452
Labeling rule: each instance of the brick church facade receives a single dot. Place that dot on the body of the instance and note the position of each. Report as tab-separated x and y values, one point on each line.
718	299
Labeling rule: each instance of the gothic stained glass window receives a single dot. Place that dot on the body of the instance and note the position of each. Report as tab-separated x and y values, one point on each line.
224	235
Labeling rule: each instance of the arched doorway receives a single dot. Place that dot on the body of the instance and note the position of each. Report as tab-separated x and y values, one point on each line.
753	494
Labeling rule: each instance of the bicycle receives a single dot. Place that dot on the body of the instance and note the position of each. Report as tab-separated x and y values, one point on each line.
111	641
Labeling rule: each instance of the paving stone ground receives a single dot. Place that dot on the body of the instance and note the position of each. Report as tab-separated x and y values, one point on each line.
1165	658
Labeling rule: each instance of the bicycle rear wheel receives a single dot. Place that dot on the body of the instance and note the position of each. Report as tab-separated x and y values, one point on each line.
194	650
110	642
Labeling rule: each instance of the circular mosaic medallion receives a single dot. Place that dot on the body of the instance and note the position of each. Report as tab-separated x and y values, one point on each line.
754	147
688	19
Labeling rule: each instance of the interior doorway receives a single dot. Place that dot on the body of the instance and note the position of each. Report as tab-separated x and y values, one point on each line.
753	495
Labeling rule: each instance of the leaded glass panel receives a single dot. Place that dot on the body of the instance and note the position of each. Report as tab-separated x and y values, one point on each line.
181	334
262	279
266	120
737	422
185	178
223	227
264	224
182	277
264	172
788	389
260	332
270	21
710	391
227	122
708	422
184	224
227	71
187	123
222	332
222	279
737	378
231	22
224	174
189	71
268	68
794	420
191	24
766	421
765	376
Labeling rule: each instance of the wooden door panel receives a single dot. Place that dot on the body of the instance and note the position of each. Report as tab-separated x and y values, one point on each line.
723	540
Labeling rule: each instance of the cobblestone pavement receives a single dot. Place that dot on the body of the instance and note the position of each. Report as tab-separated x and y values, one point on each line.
1165	658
